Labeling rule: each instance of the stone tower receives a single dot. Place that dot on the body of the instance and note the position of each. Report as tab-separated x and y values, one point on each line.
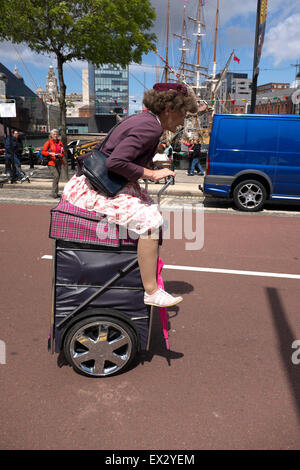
51	85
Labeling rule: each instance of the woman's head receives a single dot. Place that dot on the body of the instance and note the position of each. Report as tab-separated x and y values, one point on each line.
54	134
171	102
170	95
161	148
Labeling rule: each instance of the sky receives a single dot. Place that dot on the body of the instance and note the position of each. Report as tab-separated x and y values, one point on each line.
237	21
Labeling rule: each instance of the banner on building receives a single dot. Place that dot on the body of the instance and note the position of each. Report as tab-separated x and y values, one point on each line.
7	108
262	8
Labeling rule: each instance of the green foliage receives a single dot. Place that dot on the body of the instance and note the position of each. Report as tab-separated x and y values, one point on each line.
99	31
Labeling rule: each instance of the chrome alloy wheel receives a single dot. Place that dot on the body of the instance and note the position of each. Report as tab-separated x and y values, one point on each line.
100	347
250	195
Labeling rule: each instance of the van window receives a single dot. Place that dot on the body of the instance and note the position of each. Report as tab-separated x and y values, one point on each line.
262	134
231	133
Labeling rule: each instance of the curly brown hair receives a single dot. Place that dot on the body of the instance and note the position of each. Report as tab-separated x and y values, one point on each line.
157	102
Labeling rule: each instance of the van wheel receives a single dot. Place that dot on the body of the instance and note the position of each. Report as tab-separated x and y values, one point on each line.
250	196
99	346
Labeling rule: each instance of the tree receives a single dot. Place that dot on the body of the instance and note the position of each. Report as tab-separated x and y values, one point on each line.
98	31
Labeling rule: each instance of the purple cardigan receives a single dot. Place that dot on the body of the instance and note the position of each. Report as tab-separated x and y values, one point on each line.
132	145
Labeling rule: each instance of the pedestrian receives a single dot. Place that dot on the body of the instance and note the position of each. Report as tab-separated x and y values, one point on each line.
31	156
195	161
169	152
54	150
13	165
189	144
20	147
161	159
160	156
130	149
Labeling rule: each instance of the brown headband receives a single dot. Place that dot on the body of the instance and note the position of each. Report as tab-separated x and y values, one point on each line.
170	86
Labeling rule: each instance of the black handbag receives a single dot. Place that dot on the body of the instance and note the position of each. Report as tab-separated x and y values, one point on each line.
94	168
44	160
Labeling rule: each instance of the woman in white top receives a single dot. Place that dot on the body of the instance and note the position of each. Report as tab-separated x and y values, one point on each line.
160	155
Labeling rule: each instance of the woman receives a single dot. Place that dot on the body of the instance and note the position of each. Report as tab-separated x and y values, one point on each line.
160	156
195	162
161	160
130	149
169	152
54	150
189	145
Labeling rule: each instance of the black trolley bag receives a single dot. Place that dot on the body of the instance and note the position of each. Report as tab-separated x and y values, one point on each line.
99	320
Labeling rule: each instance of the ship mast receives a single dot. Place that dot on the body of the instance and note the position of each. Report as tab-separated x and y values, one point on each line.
183	49
167	43
199	34
215	60
213	79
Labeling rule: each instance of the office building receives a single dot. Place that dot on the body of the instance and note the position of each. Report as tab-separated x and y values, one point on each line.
111	89
109	94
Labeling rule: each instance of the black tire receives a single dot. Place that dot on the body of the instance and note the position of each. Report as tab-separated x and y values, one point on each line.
250	196
100	346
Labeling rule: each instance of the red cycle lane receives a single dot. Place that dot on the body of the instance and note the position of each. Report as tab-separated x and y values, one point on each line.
228	382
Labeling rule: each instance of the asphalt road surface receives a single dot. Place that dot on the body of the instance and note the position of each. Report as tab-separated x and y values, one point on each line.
230	381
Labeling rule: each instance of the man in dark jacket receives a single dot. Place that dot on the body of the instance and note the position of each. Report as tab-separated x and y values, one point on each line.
195	164
14	148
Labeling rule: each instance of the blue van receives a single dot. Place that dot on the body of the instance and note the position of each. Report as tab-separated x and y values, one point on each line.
254	157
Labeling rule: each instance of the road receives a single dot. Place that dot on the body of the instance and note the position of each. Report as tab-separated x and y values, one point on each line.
229	381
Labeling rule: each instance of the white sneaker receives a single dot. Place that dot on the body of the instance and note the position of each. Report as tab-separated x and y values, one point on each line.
161	298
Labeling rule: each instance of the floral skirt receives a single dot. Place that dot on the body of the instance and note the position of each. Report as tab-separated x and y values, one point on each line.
132	207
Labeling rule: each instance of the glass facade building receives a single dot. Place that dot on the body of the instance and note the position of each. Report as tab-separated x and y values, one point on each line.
109	89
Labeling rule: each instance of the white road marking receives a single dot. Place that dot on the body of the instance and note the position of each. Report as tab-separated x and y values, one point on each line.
232	271
221	271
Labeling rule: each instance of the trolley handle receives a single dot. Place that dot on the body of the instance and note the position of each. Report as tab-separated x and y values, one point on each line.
162	190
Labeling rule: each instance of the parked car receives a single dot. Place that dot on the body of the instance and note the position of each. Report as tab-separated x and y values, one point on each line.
253	158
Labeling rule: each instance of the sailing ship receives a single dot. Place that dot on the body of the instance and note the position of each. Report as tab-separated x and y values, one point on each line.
192	74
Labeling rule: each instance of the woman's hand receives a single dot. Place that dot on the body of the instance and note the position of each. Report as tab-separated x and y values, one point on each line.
163	173
156	175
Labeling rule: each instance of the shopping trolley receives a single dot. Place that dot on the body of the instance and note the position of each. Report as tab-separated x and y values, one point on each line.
99	320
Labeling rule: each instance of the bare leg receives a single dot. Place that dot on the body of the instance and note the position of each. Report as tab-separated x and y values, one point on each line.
147	257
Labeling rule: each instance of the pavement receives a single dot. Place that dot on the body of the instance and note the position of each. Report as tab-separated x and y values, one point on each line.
186	186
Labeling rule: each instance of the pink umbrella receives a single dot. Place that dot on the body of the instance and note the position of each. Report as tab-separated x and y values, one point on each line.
162	310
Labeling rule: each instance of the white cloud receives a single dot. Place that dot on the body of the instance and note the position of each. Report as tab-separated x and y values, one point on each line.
282	41
240	36
20	53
